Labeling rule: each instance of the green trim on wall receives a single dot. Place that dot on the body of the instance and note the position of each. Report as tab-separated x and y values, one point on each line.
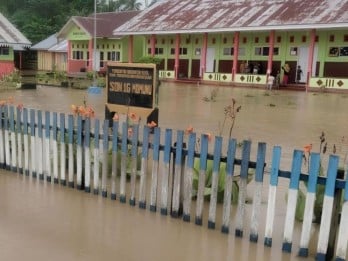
9	57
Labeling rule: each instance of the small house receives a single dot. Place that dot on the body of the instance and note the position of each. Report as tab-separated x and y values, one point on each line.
51	54
13	47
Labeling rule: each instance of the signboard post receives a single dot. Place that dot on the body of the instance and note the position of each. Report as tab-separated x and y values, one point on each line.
132	87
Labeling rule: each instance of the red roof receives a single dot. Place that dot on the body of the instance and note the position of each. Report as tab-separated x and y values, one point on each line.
105	23
180	16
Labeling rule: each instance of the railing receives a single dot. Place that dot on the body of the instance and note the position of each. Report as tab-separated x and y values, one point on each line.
330	83
220	77
166	74
52	148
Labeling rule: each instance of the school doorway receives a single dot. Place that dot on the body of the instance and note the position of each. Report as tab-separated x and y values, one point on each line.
195	68
303	55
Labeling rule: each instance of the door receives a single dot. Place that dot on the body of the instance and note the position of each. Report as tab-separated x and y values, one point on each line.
195	68
210	60
303	54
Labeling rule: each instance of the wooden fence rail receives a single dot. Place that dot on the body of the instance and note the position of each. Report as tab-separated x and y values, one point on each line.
82	153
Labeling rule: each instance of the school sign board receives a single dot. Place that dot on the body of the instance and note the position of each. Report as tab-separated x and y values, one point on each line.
132	87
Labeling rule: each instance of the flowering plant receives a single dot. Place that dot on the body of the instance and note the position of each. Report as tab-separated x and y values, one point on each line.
83	110
10	101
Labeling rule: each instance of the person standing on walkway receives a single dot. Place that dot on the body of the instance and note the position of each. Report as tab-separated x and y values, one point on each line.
270	82
298	74
277	80
286	69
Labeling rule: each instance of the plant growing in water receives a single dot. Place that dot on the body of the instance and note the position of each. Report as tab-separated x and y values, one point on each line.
320	191
230	115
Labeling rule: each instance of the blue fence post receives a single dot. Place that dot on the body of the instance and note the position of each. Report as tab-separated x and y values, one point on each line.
143	169
309	205
255	214
105	157
226	210
7	139
39	145
155	167
32	143
114	157
47	171
96	157
19	140
292	200
62	150
342	239
272	194
79	175
323	250
26	142
177	174
244	171
71	150
201	179
55	148
215	183
2	146
188	177
13	141
87	154
134	158
124	158
166	172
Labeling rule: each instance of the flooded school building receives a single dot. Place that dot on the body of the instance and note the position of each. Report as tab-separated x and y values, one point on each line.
220	42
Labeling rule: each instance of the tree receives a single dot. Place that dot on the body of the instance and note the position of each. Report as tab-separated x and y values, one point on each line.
38	19
127	5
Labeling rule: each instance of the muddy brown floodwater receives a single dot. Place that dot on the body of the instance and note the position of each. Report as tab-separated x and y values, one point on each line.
41	221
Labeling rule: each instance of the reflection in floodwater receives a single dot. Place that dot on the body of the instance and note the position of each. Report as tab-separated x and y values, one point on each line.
48	222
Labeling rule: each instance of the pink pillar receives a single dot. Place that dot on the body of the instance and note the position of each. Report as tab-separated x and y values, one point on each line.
310	56
177	48
153	44
20	60
91	58
235	54
130	49
68	57
270	54
204	54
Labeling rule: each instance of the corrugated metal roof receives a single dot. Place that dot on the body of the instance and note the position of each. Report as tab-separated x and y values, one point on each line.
105	23
236	15
46	43
61	47
10	35
51	44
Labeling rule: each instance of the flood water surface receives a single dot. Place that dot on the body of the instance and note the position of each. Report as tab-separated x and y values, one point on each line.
42	221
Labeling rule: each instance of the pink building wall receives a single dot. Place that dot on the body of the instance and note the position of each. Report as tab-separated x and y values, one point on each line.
6	67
